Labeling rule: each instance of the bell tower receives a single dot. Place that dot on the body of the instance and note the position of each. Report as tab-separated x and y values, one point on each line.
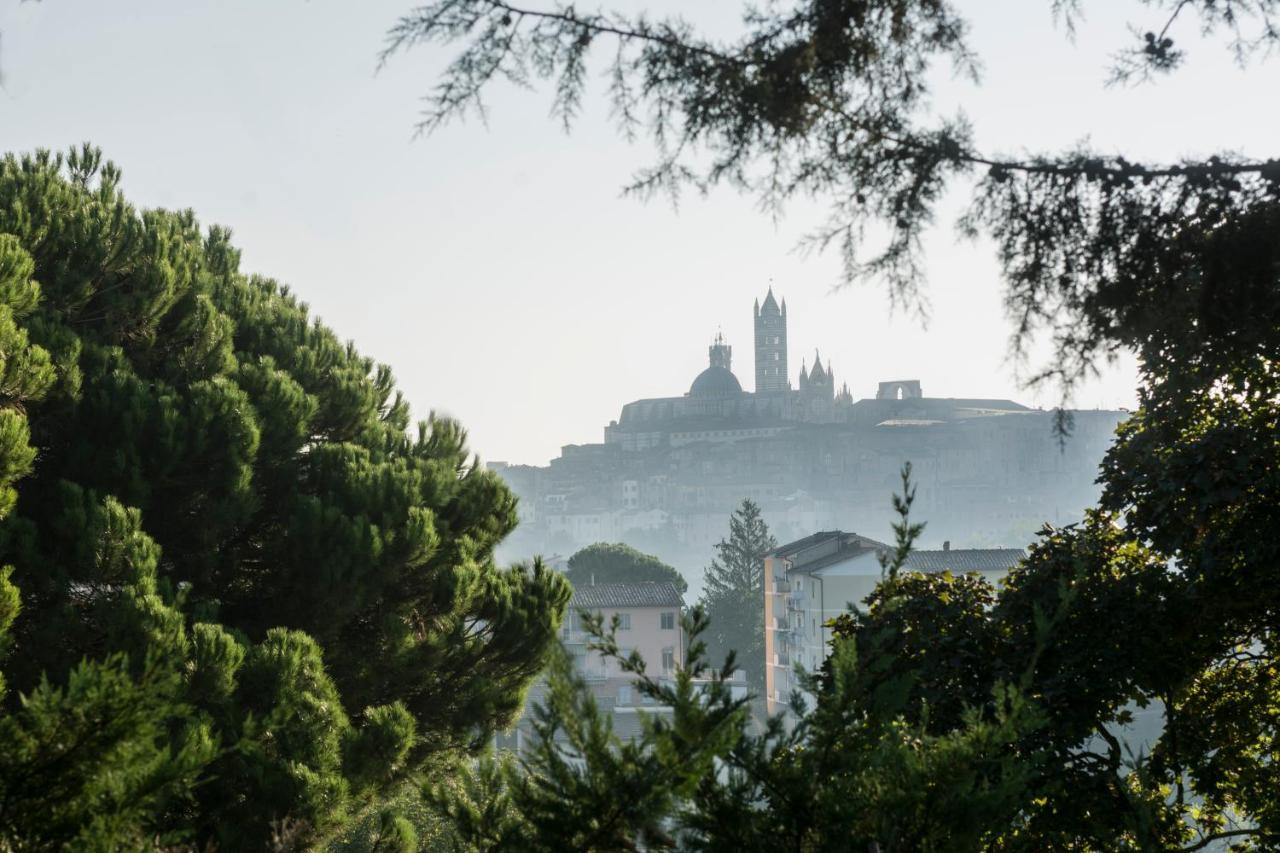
771	345
720	354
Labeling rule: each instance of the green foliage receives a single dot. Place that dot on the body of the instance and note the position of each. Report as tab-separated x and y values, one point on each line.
699	778
91	764
395	834
378	752
1164	597
733	593
10	605
948	716
582	787
614	562
252	600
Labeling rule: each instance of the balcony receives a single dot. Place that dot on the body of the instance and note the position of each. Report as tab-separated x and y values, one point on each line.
572	637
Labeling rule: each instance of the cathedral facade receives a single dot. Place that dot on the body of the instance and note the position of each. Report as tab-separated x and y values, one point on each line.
716	408
671	470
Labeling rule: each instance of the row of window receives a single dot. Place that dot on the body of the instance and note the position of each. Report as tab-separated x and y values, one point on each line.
668	621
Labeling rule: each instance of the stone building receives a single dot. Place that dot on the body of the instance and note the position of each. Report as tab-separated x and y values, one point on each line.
671	470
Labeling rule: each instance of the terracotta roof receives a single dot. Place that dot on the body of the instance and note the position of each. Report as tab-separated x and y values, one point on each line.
615	595
966	560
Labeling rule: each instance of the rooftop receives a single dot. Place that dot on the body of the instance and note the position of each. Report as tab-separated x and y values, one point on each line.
619	595
831	547
715	381
824	548
966	560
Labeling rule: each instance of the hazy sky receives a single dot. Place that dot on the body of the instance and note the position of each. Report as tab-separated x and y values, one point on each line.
496	268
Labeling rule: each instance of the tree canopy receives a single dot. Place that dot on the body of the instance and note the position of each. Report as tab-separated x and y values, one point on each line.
614	562
241	589
952	715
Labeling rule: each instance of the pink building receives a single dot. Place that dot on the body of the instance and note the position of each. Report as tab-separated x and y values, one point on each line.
649	623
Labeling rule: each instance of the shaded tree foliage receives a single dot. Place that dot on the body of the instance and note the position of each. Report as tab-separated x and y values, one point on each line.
614	562
1003	708
242	589
949	716
845	777
733	593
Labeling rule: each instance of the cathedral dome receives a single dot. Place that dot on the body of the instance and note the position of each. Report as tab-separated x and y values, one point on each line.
715	381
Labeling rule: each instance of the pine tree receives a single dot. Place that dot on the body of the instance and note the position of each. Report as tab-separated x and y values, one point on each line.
733	593
244	593
614	562
853	774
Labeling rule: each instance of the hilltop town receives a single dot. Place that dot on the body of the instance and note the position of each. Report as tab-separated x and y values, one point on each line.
988	472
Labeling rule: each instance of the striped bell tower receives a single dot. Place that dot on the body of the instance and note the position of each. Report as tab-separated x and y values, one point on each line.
771	345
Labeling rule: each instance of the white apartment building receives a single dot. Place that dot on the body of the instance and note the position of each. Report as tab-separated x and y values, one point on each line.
815	579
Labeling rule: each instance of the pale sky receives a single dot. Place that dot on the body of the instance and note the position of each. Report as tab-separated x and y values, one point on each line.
497	269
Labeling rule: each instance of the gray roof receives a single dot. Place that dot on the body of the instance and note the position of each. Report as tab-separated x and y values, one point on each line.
614	595
715	381
966	560
840	546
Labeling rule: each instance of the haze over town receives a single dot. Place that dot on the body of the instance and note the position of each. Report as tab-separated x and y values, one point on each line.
377	476
588	301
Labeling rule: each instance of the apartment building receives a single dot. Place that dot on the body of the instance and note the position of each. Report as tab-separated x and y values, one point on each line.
648	617
819	577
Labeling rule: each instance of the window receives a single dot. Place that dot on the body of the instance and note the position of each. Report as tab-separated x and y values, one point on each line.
668	621
668	659
624	621
624	695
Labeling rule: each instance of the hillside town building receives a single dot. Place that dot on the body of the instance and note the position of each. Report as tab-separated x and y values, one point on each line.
671	470
815	579
649	622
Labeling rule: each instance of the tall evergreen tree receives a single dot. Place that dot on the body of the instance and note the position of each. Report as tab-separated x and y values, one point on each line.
243	591
733	592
